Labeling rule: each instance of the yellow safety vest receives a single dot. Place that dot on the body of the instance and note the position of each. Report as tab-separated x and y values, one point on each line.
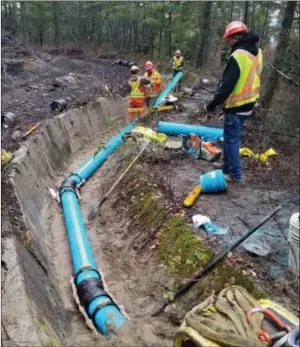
177	63
247	88
136	89
155	77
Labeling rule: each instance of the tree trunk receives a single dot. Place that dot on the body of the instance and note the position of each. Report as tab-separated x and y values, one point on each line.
56	22
281	48
41	27
152	44
159	43
14	18
231	11
170	35
265	24
23	21
246	12
4	18
204	39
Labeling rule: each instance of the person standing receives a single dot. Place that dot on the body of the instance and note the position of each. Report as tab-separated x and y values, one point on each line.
177	64
238	92
136	88
156	82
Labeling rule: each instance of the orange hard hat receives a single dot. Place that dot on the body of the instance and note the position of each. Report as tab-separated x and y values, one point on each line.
148	65
178	53
234	28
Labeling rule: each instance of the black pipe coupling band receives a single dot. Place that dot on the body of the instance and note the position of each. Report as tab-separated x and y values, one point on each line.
68	185
89	269
91	289
76	175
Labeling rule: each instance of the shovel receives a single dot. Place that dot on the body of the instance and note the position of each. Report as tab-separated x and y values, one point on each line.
94	209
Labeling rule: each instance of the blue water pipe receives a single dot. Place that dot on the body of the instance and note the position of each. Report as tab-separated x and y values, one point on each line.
94	162
98	304
208	133
168	89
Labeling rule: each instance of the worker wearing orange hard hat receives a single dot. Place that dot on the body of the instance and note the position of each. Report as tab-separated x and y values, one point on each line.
238	92
156	82
136	88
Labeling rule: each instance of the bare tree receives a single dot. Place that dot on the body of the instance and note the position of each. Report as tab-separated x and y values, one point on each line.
23	21
205	31
265	23
56	22
246	12
231	11
281	48
170	33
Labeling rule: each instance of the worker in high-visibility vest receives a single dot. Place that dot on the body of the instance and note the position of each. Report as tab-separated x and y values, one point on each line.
156	87
177	64
136	88
238	93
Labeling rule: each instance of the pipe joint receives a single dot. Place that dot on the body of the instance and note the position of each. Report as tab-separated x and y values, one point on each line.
91	289
68	185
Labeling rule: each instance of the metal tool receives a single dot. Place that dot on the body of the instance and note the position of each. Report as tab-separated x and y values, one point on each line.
93	211
184	288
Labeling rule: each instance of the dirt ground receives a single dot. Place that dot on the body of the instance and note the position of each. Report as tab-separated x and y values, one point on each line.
31	80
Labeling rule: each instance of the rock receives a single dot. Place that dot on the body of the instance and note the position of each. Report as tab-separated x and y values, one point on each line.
16	135
187	90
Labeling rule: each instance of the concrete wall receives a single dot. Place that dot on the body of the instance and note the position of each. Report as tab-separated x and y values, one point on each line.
33	171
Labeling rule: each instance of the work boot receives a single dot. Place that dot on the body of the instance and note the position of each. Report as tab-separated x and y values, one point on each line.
217	165
229	179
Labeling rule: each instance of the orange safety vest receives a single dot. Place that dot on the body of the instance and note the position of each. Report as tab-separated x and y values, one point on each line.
248	86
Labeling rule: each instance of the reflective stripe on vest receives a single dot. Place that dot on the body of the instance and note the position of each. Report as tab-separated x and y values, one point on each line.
248	86
177	63
136	109
136	89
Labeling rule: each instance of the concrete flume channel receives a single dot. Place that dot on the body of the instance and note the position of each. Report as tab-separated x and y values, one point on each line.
44	318
33	312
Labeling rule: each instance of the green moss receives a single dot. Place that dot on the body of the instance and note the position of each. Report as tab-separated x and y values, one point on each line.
52	340
180	251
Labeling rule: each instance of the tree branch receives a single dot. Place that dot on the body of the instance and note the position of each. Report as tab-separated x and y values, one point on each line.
282	74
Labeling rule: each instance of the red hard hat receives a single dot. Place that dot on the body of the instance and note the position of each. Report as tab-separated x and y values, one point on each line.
148	65
234	28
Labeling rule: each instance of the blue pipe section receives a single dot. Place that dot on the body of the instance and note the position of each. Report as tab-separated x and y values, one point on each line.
168	89
210	134
94	162
98	304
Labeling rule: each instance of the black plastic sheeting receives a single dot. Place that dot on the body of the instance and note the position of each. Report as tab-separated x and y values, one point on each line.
124	63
